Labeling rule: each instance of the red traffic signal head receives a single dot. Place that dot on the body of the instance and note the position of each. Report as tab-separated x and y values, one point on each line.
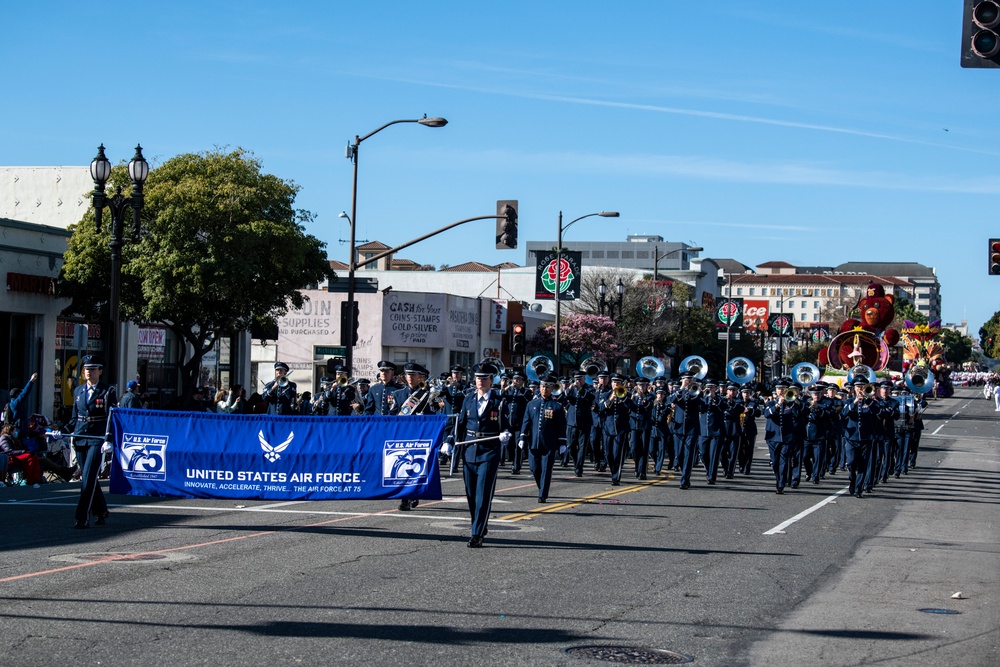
518	328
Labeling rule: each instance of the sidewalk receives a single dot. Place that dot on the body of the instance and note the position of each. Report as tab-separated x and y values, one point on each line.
943	539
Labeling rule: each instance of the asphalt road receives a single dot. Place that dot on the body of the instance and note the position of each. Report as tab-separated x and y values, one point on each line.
713	573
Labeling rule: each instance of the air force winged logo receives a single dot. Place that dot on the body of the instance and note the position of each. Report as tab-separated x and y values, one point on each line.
273	453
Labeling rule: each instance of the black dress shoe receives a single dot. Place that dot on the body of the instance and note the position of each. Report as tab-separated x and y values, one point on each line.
81	524
578	474
615	482
404	505
542	500
685	486
780	492
102	518
476	543
857	495
711	482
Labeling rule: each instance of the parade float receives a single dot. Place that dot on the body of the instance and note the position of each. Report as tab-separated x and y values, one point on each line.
923	356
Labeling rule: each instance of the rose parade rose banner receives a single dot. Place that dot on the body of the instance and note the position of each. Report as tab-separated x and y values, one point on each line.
266	457
570	276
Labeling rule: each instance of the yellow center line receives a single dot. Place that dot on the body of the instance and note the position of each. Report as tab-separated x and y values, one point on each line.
576	502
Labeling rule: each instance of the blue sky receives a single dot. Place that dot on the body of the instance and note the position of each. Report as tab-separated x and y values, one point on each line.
805	132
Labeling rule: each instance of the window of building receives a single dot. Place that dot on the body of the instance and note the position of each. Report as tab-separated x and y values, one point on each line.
739	291
584	254
598	254
803	318
804	304
815	317
612	254
642	254
628	254
751	291
815	304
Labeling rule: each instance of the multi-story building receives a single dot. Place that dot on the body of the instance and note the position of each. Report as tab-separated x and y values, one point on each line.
926	295
639	252
811	298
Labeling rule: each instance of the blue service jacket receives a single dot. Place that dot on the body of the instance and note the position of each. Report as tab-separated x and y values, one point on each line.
544	426
340	400
517	400
280	400
639	418
861	420
580	410
379	394
711	416
687	412
752	409
615	413
780	421
90	415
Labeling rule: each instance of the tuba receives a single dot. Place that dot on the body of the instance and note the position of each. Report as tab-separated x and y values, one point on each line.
592	367
919	380
539	366
805	373
695	365
498	364
741	370
650	367
861	371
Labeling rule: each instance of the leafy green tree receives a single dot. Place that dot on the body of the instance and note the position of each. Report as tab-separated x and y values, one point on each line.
989	337
958	347
221	247
905	310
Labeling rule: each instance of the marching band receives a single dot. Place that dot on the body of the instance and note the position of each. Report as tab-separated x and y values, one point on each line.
868	429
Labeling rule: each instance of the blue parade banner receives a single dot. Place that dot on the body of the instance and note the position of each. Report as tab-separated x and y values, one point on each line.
266	457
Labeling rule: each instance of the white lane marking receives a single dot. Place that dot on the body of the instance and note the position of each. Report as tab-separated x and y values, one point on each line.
283	504
939	428
780	528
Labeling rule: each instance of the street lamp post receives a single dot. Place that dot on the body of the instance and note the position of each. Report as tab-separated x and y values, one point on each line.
657	257
100	171
352	155
562	228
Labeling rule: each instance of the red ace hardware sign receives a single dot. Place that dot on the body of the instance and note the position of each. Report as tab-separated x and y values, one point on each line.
754	315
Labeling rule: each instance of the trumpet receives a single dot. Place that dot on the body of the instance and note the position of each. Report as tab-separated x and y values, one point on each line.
791	394
282	381
343	380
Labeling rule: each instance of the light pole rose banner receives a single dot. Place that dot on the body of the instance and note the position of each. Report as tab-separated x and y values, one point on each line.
567	277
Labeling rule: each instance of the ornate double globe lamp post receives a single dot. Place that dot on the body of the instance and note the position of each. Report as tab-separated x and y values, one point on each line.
352	154
100	171
558	286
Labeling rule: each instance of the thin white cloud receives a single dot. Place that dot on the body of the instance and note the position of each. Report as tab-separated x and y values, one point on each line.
739	225
681	111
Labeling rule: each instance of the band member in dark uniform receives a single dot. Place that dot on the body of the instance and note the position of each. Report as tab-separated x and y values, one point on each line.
382	390
92	403
543	433
341	396
280	393
483	418
579	419
615	408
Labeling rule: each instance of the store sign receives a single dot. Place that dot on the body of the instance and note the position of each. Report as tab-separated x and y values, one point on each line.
24	282
413	319
498	316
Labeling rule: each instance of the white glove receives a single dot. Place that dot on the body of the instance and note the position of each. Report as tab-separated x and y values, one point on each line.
107	448
446	449
505	437
562	449
520	444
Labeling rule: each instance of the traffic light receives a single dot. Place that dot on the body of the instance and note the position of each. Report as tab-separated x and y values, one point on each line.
980	38
348	324
517	337
994	257
507	224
